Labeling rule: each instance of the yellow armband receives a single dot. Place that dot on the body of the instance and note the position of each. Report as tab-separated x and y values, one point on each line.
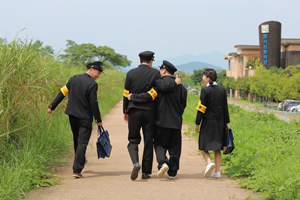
201	107
64	90
153	93
125	93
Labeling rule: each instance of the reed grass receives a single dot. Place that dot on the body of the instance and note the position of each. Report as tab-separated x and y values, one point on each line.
30	138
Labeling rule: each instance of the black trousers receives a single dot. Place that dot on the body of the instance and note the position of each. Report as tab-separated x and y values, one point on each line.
82	130
138	119
168	139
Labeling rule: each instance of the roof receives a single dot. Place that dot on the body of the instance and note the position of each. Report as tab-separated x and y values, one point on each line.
247	47
288	41
228	57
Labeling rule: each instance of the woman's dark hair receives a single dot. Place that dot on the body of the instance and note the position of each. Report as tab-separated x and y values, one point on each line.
212	74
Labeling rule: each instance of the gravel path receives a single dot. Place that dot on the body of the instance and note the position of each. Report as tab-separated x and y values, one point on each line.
109	178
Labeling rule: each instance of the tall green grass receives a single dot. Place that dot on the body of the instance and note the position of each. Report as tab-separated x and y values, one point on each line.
30	138
266	157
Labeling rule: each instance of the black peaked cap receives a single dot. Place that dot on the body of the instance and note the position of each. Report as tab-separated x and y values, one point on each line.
147	54
169	67
96	65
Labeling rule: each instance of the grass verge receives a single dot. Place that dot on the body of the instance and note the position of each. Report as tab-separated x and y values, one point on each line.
266	158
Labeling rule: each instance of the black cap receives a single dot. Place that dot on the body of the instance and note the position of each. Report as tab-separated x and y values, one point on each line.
147	55
96	65
168	66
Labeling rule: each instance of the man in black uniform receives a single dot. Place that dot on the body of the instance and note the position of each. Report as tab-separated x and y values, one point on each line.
82	106
141	115
168	121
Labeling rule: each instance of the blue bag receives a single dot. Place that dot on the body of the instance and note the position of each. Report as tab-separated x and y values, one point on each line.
229	142
103	143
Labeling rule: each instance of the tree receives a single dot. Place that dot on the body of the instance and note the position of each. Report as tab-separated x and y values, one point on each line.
181	73
85	53
44	50
252	63
221	77
228	83
293	69
260	81
243	85
197	76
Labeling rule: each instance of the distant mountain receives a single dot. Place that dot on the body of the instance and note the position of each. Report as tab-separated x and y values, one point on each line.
190	67
215	59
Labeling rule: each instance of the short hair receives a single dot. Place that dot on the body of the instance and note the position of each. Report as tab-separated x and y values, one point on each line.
212	74
170	72
146	60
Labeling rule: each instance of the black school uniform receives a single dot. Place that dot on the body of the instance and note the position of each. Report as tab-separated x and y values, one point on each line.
82	107
141	115
213	112
168	121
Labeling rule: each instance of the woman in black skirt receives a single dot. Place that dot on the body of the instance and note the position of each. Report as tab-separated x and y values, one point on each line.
213	112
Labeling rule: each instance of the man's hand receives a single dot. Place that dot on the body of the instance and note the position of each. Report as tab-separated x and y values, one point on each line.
49	110
197	128
227	127
99	124
126	118
129	96
178	81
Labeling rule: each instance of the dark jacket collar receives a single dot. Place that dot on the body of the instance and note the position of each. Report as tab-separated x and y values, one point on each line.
143	65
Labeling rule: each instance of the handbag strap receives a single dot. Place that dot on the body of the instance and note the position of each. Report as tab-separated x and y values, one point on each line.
100	130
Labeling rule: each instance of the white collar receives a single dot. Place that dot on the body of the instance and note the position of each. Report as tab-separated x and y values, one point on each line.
214	83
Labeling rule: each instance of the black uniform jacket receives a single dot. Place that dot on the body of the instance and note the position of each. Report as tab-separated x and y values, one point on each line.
83	103
213	104
139	80
169	106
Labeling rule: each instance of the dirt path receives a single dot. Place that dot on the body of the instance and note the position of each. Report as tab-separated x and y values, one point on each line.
109	178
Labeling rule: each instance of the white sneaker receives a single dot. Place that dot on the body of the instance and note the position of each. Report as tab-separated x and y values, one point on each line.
216	174
209	169
161	173
172	177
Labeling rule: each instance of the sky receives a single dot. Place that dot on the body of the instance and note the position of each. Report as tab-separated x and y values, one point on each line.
170	28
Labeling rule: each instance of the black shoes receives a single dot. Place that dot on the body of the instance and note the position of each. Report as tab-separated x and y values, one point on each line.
145	175
135	171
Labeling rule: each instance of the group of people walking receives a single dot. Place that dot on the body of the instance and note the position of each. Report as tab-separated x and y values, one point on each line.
153	101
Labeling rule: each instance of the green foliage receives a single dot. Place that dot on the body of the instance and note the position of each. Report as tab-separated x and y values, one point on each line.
266	157
30	138
243	85
221	77
190	112
197	76
84	53
292	70
181	73
228	83
44	50
266	154
3	41
252	64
